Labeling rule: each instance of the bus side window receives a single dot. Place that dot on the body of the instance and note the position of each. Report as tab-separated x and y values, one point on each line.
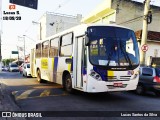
54	44
66	45
45	47
38	50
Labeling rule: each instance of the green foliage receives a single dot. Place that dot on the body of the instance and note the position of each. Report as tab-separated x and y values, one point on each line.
7	61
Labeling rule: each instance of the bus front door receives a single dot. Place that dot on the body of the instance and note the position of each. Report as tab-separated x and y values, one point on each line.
79	61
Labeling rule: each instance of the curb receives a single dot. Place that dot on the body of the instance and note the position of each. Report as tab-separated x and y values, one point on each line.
7	103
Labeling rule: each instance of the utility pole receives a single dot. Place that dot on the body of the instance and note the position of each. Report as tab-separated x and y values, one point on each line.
40	29
18	54
144	31
24	46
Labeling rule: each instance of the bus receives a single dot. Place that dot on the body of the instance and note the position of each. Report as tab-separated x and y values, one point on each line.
90	58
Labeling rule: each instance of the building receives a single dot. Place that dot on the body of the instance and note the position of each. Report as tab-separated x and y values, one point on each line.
153	42
51	23
103	13
124	12
130	14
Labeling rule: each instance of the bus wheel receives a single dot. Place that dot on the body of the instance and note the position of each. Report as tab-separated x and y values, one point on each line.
39	76
140	90
68	84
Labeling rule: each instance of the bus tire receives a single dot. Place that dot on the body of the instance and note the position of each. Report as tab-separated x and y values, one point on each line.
39	76
68	84
140	89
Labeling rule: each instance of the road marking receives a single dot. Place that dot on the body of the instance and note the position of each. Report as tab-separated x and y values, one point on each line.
37	93
25	94
45	93
14	93
64	94
56	86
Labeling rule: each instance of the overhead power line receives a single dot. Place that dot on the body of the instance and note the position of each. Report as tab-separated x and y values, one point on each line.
135	19
61	5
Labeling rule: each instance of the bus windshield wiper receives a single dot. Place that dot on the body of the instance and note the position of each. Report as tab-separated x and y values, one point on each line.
109	58
125	54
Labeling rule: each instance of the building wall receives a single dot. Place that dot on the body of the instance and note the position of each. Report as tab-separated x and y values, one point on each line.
129	14
42	27
53	23
153	51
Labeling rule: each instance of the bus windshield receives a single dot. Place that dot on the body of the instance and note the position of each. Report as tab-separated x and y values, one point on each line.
112	46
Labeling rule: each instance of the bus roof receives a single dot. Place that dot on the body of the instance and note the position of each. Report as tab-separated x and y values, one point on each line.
81	28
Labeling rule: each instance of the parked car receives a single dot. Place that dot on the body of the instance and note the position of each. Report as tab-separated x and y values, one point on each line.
149	80
13	68
26	70
5	68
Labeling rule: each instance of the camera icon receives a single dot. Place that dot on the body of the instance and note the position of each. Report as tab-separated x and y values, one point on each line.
6	114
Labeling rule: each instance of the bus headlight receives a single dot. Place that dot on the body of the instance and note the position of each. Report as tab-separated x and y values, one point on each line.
95	75
136	75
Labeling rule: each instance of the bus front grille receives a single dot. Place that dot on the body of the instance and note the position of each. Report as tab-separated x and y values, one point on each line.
118	78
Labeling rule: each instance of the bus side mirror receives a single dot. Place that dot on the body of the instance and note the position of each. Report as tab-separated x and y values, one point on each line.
86	40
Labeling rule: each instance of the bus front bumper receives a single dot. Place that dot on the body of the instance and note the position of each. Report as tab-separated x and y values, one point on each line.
94	86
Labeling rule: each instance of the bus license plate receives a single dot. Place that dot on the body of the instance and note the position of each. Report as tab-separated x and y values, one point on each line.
117	84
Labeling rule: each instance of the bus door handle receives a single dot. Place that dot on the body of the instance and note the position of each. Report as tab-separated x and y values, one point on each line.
68	60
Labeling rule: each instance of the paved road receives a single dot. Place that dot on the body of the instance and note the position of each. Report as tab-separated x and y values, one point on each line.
29	95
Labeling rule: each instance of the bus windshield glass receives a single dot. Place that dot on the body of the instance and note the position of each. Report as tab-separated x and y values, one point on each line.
112	46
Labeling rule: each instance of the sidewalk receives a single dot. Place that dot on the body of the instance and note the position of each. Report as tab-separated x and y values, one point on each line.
7	103
1	104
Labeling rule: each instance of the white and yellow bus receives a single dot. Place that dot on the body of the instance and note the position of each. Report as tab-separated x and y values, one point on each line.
89	58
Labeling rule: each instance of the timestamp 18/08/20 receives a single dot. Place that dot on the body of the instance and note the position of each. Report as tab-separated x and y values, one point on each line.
12	18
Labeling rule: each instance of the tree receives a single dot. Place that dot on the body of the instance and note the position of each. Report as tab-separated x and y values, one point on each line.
7	61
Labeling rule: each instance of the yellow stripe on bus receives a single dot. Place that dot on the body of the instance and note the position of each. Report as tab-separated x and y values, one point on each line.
110	73
52	63
52	69
69	66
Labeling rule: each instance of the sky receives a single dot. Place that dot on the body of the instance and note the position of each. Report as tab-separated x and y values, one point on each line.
11	29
